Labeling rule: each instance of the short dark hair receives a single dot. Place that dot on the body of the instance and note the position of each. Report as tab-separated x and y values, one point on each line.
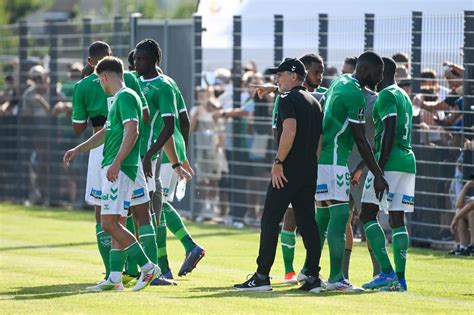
309	58
428	74
131	61
99	50
351	61
152	47
401	57
389	67
109	63
370	58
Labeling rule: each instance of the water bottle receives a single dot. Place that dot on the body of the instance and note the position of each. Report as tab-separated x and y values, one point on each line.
181	189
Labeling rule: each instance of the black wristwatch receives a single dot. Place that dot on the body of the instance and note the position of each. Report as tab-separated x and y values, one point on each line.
177	165
278	161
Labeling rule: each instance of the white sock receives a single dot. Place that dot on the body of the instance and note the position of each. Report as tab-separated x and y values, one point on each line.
115	276
147	267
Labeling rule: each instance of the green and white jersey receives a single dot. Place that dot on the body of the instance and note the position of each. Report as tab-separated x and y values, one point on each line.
344	102
321	89
90	100
162	101
126	107
393	101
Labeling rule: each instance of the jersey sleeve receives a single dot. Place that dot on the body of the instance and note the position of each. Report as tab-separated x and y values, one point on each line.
387	105
132	82
79	113
286	108
167	101
181	105
275	112
355	105
128	108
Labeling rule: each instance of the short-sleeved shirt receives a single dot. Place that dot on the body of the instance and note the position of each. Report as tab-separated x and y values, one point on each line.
161	97
393	101
89	99
126	107
344	103
301	162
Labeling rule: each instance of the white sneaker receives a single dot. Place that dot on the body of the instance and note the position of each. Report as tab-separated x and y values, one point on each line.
106	285
146	278
343	286
301	276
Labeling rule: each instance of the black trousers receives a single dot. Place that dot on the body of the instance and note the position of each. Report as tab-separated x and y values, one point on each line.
301	196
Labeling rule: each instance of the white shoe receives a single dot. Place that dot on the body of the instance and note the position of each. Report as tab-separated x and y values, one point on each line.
343	286
301	276
146	278
106	285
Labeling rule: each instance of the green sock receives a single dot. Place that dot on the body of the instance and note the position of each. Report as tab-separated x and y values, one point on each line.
322	218
104	242
161	244
131	265
336	235
136	251
148	240
400	250
117	259
288	243
176	226
376	239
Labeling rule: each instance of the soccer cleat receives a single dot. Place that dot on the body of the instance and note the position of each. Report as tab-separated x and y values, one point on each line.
301	276
381	280
168	275
191	260
343	286
312	285
400	286
146	278
455	250
106	285
161	281
290	277
254	284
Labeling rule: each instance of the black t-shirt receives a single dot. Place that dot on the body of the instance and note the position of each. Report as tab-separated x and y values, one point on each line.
301	162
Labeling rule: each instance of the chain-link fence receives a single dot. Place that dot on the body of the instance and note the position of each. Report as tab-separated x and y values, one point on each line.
233	154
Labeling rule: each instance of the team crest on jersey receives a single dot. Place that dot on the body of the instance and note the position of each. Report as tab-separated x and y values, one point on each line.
361	113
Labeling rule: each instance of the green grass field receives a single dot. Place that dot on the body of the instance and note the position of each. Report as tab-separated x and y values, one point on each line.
48	257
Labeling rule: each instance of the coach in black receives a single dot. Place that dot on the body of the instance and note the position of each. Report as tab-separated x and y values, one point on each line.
299	126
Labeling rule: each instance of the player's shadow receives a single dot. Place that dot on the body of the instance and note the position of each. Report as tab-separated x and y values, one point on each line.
39	246
45	291
224	292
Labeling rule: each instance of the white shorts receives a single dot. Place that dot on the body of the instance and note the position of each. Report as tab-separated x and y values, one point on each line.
94	177
333	183
140	188
150	181
401	196
169	180
116	195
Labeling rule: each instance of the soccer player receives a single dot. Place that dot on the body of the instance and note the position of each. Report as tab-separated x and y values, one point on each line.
392	116
147	55
120	167
90	102
343	125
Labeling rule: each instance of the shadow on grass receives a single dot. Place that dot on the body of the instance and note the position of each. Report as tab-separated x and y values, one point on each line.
224	292
46	246
45	292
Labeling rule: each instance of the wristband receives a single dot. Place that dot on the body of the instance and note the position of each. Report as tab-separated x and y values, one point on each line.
177	165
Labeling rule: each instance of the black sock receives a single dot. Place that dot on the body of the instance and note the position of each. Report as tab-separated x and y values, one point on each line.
261	277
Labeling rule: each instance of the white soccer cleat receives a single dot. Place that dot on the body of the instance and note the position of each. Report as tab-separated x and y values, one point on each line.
106	285
342	286
146	278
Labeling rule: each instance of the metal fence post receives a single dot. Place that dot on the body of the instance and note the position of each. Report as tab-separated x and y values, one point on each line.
86	37
468	87
52	171
134	29
117	37
22	157
369	32
323	36
278	39
416	20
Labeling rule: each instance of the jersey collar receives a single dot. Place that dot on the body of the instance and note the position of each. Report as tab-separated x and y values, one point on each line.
149	80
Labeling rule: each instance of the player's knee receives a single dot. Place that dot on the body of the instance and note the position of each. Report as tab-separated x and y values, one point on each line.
368	213
107	226
396	219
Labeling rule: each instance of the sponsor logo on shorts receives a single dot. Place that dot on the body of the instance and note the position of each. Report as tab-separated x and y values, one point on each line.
112	196
137	193
165	190
97	194
322	189
408	200
126	205
368	183
390	196
106	207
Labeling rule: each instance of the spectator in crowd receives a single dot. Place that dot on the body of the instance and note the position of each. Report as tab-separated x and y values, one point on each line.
349	65
208	147
36	97
402	60
462	224
403	79
73	75
9	98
